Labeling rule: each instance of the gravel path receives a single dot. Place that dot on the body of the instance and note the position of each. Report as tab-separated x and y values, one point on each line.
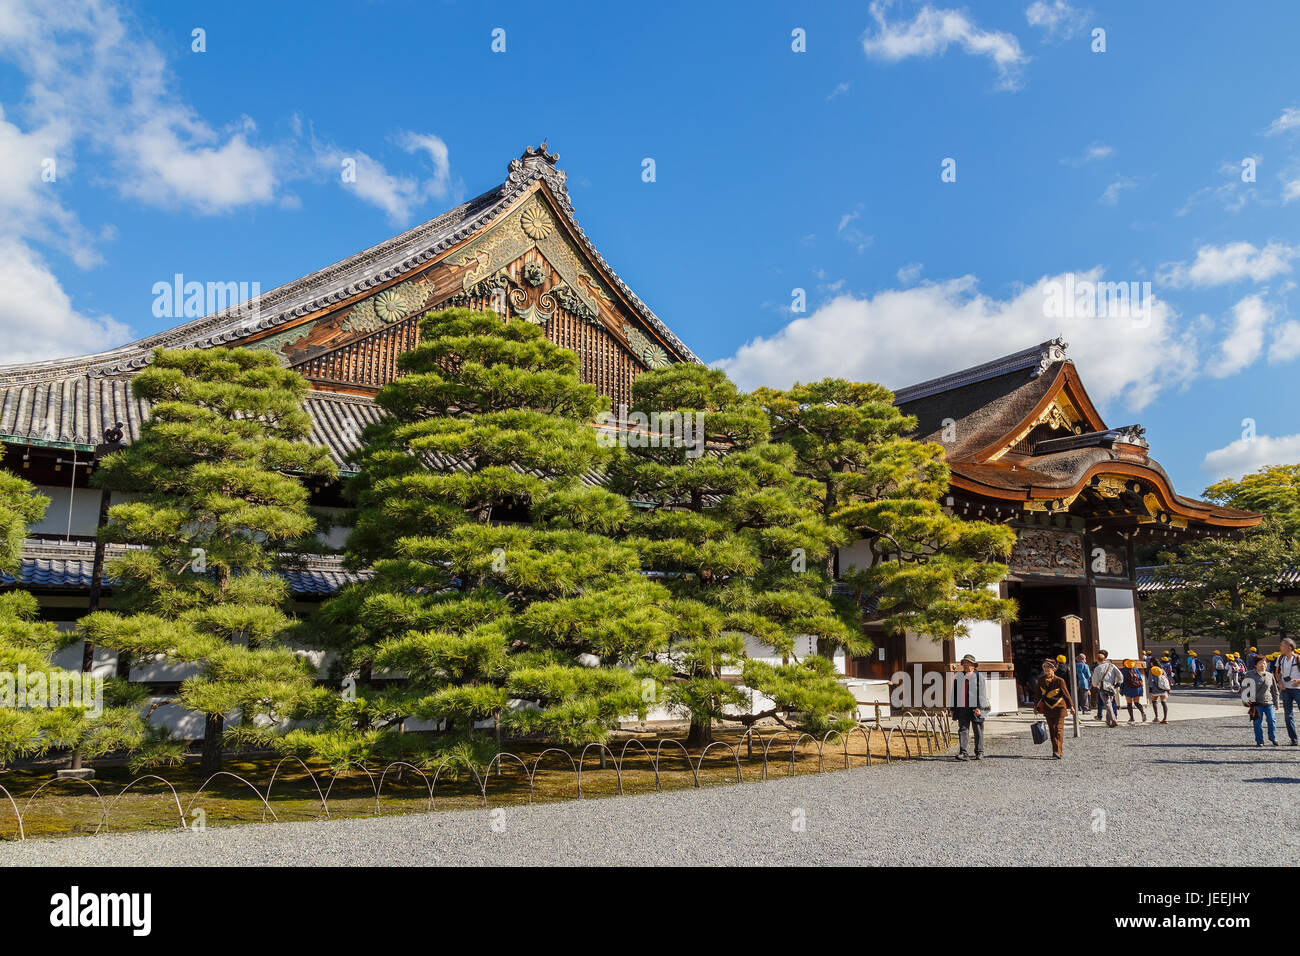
1185	793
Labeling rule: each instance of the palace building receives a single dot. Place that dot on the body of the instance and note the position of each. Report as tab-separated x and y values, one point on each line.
1027	448
1025	444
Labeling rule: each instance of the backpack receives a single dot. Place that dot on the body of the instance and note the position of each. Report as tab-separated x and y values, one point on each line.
1133	678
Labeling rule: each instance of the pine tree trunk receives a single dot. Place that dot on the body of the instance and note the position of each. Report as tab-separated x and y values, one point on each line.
212	730
701	734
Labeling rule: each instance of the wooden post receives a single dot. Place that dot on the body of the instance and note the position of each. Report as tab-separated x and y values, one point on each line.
1073	638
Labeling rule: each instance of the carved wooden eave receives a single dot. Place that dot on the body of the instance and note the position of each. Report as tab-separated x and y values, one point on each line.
1022	434
1065	407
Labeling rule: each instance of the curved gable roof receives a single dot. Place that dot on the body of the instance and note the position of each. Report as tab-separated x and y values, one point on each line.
980	414
68	402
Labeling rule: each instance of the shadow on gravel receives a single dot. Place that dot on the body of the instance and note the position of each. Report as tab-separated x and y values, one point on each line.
1197	746
1216	763
1271	780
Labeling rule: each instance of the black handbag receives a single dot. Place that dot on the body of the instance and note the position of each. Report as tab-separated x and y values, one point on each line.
1039	731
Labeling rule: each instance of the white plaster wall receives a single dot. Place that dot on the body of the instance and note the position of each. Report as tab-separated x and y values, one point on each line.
923	649
855	555
984	641
1117	623
85	510
338	535
1002	695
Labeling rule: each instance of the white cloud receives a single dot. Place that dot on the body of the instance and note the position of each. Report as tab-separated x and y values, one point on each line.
932	31
1291	190
1111	195
438	184
1219	265
166	170
1288	120
1250	454
37	320
397	195
89	71
840	90
1286	343
1244	342
94	85
910	272
1057	19
901	337
1094	152
850	233
1232	195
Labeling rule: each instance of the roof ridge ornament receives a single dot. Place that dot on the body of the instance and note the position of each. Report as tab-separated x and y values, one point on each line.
1053	352
540	152
537	162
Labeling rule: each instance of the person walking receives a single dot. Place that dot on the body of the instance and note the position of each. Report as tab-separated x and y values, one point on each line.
970	702
1259	692
1053	702
1083	675
1194	668
1158	691
1176	666
1106	679
1220	668
1287	672
1131	688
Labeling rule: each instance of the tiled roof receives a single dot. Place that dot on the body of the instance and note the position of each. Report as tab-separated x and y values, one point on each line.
68	566
71	401
1148	581
1035	360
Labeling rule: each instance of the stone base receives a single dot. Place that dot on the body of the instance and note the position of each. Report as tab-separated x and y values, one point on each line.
81	773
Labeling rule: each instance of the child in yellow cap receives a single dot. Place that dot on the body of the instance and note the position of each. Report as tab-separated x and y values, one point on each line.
1158	690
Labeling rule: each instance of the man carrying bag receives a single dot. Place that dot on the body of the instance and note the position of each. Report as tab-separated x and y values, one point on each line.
1106	678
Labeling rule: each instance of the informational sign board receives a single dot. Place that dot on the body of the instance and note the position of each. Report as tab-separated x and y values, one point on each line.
1073	629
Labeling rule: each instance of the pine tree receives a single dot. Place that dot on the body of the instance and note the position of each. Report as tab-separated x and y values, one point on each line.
927	572
739	541
498	593
216	491
49	720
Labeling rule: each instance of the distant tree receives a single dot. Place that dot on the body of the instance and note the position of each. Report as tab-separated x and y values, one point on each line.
48	720
498	592
1223	589
1273	491
925	571
739	540
1228	588
215	491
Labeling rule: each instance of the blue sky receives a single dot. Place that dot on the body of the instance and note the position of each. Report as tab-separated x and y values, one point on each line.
775	170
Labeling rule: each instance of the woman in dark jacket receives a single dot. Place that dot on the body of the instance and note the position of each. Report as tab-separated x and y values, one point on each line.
1052	700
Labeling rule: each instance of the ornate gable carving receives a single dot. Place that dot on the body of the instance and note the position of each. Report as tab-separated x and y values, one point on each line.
525	265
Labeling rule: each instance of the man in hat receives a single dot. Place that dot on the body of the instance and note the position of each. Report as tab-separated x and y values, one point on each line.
970	702
1287	671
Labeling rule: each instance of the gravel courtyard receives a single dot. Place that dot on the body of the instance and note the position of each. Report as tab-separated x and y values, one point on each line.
1183	793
